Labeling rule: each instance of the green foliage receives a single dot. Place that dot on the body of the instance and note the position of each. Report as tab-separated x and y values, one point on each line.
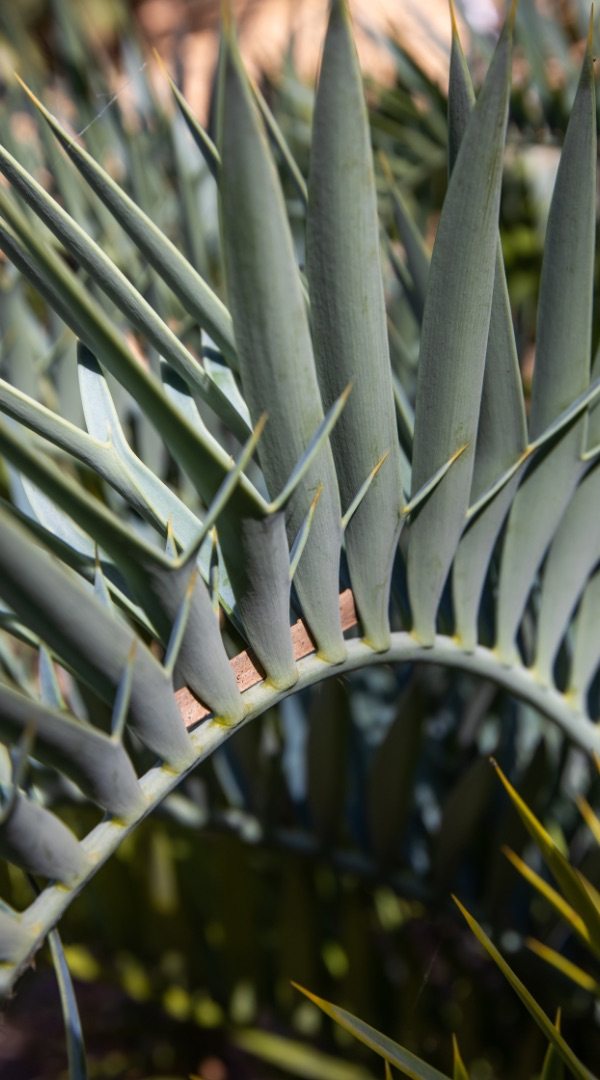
154	524
582	917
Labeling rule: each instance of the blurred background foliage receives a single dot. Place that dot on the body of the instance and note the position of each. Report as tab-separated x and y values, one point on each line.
322	843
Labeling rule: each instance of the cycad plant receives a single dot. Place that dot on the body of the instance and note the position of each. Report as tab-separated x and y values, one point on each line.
330	524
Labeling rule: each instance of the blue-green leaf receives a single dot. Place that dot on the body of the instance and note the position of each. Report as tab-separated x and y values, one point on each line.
502	428
274	346
454	341
69	618
562	365
349	322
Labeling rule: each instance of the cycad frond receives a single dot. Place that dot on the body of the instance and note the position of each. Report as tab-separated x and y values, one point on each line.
149	635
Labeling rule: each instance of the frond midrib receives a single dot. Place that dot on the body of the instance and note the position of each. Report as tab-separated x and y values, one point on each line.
209	733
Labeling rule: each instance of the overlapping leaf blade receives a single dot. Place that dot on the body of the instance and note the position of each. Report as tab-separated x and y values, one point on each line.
37	841
563	357
97	764
97	454
94	643
120	290
349	323
574	553
158	585
266	569
585	659
576	890
502	429
168	262
554	898
273	343
66	293
417	255
31	836
453	342
142	488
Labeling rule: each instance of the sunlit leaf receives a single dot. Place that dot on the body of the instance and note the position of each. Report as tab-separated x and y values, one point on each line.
407	1063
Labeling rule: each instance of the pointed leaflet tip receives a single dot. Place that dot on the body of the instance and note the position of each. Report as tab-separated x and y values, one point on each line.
170	542
41	108
50	691
224	492
30	94
588	815
258	429
427	488
302	465
345	394
307	993
529	819
100	586
161	65
227	19
461	908
33	97
363	489
303	533
459	1071
453	19
180	625
123	696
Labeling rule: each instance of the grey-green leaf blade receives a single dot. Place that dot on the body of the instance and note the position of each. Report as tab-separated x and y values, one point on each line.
201	137
574	552
454	340
72	1021
564	332
94	453
273	343
65	614
37	841
502	427
13	938
97	764
158	586
140	487
169	263
120	290
66	293
585	645
349	322
563	357
266	622
417	255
